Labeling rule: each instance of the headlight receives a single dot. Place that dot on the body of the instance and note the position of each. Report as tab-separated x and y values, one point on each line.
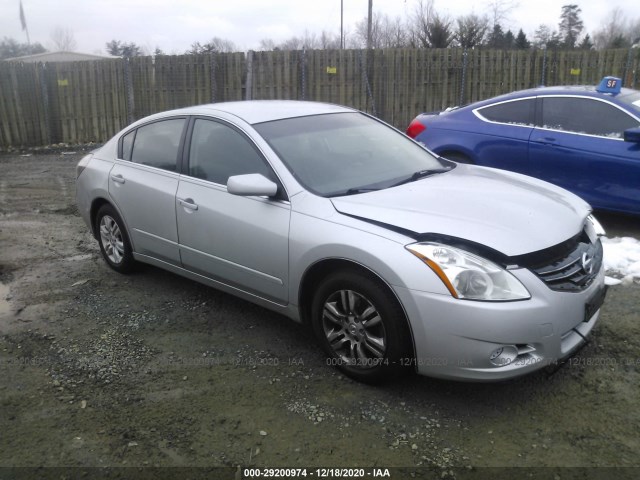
468	276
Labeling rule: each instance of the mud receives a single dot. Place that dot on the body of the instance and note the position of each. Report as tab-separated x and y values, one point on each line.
150	369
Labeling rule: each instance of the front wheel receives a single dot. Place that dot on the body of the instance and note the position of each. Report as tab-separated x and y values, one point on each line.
113	239
361	327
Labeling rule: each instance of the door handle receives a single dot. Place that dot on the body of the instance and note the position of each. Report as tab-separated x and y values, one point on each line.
188	203
546	140
117	178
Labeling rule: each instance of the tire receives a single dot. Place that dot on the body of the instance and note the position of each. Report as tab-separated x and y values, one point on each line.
114	240
457	157
343	317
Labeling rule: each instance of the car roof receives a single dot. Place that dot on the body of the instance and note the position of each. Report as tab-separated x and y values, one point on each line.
258	111
584	90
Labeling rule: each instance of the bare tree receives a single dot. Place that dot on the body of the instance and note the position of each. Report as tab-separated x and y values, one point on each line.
612	25
427	28
471	30
394	33
499	10
634	31
546	37
309	41
362	31
268	44
216	44
421	22
617	31
329	41
63	40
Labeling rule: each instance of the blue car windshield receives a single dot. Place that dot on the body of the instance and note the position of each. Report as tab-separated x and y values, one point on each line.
345	153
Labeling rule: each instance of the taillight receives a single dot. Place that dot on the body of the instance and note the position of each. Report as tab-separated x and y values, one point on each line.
415	128
82	164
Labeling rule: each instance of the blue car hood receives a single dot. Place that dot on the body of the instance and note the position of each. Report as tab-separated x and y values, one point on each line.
508	212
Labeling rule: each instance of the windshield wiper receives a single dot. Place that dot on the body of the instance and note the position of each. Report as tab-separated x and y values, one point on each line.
412	178
355	191
421	174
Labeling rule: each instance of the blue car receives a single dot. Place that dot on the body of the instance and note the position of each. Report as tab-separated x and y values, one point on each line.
585	139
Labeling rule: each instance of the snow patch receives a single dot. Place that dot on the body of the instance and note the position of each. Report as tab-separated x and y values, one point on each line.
621	259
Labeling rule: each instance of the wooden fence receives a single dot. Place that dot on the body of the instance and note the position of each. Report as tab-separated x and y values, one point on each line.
82	102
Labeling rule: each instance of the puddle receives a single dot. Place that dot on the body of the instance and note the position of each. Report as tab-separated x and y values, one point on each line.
5	308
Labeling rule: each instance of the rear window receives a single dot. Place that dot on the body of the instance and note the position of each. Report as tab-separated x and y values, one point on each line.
517	112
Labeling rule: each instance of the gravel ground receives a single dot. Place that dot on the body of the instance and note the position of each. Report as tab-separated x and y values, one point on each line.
152	370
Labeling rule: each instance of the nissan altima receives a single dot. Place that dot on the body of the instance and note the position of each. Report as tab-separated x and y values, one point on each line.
396	259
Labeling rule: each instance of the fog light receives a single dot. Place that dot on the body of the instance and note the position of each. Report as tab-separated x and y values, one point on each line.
503	356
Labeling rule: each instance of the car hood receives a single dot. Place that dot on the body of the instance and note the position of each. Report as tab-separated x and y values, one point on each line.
507	212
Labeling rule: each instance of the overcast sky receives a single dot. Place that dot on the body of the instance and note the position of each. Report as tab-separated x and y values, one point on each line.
173	25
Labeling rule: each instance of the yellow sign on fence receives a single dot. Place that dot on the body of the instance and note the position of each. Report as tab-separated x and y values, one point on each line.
63	83
575	71
332	70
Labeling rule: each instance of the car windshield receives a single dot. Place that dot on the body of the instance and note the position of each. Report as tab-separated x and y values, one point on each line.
347	153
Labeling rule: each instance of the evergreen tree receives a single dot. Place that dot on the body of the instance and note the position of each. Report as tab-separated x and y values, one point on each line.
496	37
571	25
509	40
586	43
123	49
439	34
522	43
10	48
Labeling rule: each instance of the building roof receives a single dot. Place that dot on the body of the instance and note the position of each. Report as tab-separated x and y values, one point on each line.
58	57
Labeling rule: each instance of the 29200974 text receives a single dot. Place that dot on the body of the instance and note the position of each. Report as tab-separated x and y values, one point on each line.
249	473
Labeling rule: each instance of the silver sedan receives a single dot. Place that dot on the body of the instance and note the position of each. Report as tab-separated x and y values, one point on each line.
397	260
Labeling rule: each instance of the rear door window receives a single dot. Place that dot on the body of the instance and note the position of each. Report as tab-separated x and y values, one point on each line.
157	144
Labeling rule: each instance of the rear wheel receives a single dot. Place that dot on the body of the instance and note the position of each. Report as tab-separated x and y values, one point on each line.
361	327
113	239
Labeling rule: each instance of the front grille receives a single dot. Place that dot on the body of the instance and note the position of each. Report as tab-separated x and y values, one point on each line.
573	272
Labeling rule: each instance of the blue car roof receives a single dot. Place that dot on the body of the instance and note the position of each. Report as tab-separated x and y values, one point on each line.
583	90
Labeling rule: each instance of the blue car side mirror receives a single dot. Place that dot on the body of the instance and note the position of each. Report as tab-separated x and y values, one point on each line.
632	135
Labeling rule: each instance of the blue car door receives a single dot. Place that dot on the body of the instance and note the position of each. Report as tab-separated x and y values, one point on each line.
501	139
578	144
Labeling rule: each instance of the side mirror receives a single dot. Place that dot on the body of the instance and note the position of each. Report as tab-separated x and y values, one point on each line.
252	184
632	135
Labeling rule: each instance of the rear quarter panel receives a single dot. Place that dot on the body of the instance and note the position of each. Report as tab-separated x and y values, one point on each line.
485	143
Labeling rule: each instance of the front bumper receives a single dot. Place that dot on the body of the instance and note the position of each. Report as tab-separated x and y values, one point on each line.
456	338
